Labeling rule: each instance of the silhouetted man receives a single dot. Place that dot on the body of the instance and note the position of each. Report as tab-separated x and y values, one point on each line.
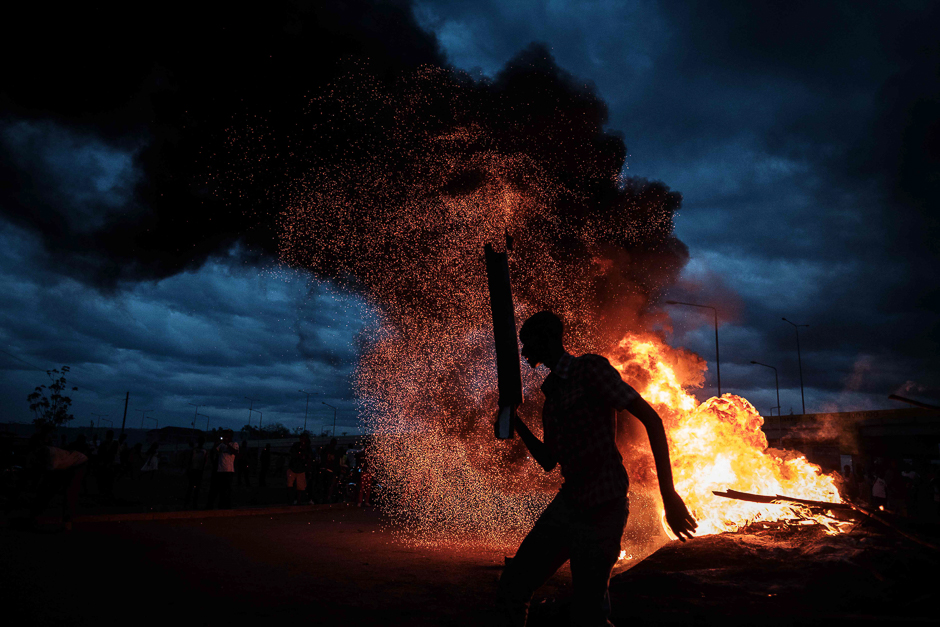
264	464
585	521
221	486
195	465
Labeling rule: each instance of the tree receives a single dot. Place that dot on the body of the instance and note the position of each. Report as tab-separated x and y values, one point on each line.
49	404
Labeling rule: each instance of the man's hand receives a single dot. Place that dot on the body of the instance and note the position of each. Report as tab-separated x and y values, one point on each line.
678	516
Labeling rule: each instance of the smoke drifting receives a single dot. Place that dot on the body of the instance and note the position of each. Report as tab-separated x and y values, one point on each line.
225	110
167	82
337	139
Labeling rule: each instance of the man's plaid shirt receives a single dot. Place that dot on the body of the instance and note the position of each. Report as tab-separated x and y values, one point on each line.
579	419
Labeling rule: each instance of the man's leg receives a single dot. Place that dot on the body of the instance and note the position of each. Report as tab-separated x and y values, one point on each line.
70	496
544	550
595	548
213	490
225	489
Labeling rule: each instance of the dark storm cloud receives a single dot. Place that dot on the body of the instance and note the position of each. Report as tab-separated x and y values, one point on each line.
211	337
164	82
803	136
804	139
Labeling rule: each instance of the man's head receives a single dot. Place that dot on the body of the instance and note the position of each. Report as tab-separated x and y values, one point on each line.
541	337
227	435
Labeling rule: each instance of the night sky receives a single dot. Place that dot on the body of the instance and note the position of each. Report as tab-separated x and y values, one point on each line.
804	139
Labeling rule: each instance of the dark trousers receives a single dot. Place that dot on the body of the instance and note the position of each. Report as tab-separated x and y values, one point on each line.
67	482
193	484
105	477
263	475
241	474
589	537
221	488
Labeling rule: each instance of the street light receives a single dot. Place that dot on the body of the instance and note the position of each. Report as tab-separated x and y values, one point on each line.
156	423
194	416
799	359
334	418
714	311
207	422
143	414
251	403
776	381
306	407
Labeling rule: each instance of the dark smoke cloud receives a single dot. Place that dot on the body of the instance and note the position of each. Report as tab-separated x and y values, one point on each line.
215	106
168	80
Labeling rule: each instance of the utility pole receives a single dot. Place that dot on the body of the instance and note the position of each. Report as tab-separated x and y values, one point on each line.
143	414
127	397
334	418
306	407
251	402
799	359
98	424
776	383
194	417
207	423
715	312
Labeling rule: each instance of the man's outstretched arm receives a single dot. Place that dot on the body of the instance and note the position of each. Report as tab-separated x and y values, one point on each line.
536	447
677	515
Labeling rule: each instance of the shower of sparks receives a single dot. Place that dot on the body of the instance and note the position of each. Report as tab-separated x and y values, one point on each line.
406	182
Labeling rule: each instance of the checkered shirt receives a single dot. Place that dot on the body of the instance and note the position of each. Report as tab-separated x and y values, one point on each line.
579	419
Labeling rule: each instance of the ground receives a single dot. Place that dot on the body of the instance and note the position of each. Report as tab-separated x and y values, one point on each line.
327	565
339	564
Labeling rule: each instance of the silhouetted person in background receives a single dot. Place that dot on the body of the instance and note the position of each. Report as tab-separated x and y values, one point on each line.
329	469
152	462
585	521
264	464
220	489
135	459
195	466
121	457
297	468
104	463
365	480
60	472
241	465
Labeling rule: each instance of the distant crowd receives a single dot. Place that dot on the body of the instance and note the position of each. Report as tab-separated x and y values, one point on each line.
894	486
328	474
46	469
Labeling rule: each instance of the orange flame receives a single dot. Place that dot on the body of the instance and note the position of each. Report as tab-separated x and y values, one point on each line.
718	444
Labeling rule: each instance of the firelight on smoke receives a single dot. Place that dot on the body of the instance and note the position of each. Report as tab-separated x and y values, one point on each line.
427	171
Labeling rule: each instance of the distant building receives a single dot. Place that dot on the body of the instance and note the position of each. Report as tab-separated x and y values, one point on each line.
834	439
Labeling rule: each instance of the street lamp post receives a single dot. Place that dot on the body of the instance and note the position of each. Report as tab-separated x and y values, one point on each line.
195	414
143	414
715	312
334	418
156	423
98	425
799	359
306	407
776	381
251	403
